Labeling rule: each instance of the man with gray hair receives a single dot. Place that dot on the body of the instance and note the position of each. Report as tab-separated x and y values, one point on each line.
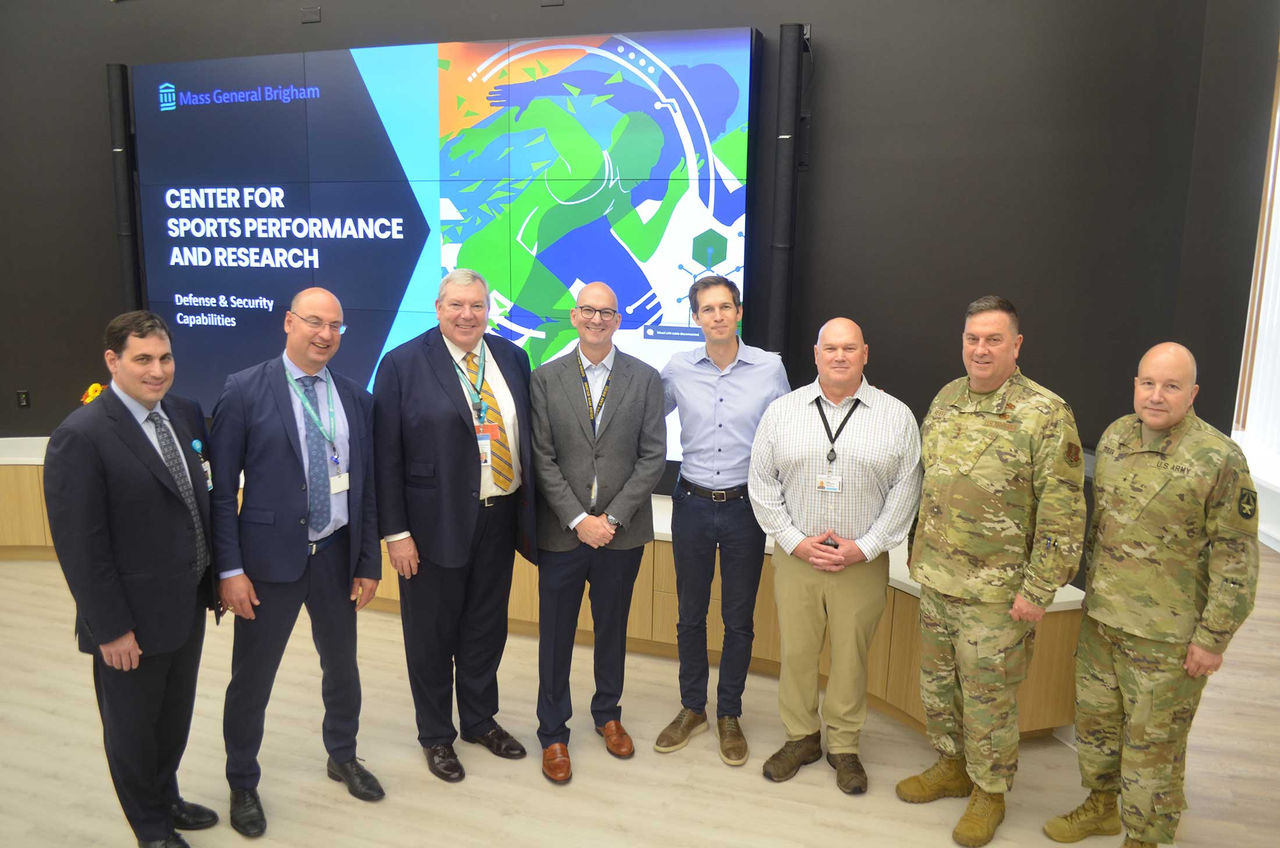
455	501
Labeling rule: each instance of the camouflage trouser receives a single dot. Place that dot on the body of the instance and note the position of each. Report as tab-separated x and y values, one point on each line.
972	658
1134	705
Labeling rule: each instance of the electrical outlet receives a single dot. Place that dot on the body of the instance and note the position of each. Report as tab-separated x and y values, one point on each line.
310	14
24	398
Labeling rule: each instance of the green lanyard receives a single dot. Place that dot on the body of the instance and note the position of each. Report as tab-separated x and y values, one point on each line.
478	404
315	417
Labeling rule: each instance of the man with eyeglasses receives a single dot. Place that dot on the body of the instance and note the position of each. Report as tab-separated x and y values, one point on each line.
455	502
599	447
721	390
306	533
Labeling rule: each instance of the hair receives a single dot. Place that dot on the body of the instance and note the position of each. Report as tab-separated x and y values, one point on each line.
707	282
461	277
140	323
993	303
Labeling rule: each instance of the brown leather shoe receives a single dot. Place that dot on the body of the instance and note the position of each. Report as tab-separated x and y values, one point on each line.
793	754
555	763
733	745
851	777
616	740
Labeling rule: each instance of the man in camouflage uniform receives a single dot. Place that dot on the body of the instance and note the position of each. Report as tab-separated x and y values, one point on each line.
999	531
1172	558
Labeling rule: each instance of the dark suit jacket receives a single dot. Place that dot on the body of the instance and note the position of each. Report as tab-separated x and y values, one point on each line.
255	431
428	462
627	454
122	533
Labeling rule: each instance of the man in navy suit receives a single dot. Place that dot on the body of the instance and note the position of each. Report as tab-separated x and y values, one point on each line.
455	501
127	490
306	533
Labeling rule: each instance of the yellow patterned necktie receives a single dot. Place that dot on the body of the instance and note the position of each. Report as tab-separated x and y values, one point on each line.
499	448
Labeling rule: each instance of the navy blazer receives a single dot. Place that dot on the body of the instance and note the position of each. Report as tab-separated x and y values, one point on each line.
123	535
256	432
427	458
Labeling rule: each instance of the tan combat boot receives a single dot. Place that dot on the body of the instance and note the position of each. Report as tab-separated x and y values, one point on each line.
1130	842
1099	815
981	818
944	779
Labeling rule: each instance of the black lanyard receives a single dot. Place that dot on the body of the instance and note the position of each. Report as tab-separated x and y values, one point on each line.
831	454
594	414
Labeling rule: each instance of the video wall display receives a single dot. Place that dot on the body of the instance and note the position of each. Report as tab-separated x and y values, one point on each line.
543	164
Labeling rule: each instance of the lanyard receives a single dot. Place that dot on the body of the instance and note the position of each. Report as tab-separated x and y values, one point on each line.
831	454
593	413
474	390
315	417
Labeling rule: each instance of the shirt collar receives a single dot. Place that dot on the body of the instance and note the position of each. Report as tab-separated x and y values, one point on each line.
1164	444
863	395
137	410
458	353
744	353
295	372
993	401
607	362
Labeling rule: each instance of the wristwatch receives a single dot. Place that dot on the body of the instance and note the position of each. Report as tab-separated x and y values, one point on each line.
613	522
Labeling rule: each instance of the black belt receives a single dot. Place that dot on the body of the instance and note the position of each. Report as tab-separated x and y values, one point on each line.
495	500
319	545
717	495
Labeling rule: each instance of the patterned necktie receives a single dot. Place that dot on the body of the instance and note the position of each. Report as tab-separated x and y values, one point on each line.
317	461
499	448
173	461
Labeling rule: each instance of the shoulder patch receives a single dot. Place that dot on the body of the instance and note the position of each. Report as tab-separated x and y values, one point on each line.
1073	454
1247	504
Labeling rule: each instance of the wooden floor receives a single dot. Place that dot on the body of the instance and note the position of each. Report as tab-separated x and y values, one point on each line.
54	787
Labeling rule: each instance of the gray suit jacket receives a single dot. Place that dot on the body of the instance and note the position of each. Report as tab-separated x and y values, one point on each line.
627	453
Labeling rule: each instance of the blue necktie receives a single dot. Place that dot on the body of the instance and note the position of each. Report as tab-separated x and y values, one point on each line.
173	461
317	461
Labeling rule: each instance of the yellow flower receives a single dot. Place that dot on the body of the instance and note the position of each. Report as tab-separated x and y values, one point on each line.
90	393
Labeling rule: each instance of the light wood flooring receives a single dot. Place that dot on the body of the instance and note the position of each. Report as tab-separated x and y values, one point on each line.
55	790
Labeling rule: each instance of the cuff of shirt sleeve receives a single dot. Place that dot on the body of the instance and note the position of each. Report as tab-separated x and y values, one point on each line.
788	539
573	525
871	548
395	537
1214	643
223	575
1037	592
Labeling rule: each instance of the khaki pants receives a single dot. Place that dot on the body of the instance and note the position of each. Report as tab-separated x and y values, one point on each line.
811	603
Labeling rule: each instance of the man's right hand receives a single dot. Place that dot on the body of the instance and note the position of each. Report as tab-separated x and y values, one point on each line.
237	596
123	653
595	530
404	556
821	556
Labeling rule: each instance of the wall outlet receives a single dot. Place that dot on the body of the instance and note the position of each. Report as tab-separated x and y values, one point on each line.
24	398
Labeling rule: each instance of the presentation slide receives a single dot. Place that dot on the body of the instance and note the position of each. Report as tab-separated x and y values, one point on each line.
543	164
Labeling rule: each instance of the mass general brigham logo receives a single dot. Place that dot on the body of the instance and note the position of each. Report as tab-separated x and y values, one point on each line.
168	97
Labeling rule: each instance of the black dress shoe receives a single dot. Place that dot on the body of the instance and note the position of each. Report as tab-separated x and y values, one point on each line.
189	816
443	763
247	817
500	742
360	782
173	840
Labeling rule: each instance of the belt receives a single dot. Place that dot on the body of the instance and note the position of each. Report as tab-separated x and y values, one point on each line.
485	503
717	495
319	545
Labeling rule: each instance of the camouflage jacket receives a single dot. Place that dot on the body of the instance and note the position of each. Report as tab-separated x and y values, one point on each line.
1002	509
1172	552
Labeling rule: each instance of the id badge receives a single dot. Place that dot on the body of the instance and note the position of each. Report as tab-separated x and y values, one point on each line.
339	483
829	483
208	474
485	436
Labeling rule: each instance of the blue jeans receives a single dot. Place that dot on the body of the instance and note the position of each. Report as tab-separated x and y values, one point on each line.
698	527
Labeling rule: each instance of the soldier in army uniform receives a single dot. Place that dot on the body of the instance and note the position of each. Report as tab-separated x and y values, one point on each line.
999	531
1172	559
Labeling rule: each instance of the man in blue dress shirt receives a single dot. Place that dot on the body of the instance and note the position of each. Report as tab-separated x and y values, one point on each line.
721	390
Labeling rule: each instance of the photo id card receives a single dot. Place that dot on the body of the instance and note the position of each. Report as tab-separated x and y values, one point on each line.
829	483
339	483
485	436
208	474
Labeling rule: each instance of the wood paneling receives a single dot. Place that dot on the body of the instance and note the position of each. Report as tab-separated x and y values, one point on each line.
22	514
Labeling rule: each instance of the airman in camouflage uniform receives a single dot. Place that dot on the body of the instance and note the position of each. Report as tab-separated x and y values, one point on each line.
1172	558
999	531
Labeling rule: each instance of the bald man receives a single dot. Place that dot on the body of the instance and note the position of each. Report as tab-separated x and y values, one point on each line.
306	533
835	480
1172	559
599	448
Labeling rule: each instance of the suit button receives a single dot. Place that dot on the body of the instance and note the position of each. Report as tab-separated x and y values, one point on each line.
302	521
303	487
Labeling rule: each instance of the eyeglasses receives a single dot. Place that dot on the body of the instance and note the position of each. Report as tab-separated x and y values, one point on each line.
590	312
315	323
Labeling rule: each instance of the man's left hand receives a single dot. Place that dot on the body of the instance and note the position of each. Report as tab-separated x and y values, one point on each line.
848	550
1024	610
1201	663
362	589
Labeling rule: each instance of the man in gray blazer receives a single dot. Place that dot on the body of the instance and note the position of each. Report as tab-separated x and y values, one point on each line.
599	447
